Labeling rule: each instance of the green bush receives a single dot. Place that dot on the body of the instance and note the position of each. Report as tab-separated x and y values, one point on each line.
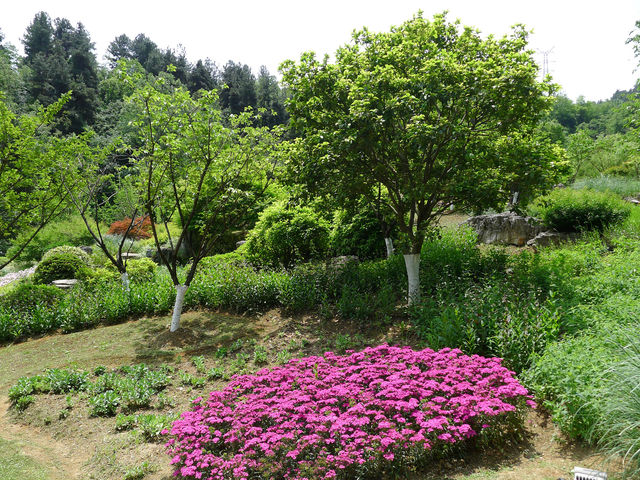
60	266
141	269
81	254
68	231
569	210
357	234
25	297
285	236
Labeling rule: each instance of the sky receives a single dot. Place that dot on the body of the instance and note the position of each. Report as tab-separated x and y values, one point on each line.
585	39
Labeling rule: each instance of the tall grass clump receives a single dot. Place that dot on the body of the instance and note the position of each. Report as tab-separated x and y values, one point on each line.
621	186
616	430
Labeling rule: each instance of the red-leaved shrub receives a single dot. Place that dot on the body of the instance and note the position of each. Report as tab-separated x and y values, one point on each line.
140	228
354	416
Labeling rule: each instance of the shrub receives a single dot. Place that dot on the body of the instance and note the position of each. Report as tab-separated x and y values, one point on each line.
141	228
60	266
357	234
69	231
78	252
25	298
286	236
141	269
374	412
569	210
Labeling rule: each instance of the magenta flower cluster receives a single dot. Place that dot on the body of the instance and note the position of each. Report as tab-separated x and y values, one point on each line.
334	416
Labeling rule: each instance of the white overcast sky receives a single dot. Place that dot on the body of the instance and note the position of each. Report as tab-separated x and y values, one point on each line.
586	38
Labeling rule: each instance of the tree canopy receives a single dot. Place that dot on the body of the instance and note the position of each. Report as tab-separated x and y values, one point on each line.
431	110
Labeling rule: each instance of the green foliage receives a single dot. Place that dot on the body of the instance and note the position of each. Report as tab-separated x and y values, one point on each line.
141	269
69	231
60	266
569	210
408	108
357	234
66	249
25	298
54	381
619	411
285	236
623	187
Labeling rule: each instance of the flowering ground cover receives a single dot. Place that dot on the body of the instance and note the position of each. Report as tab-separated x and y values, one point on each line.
355	416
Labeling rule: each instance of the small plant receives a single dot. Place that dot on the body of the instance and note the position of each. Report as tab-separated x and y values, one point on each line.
190	380
99	370
139	471
104	404
259	355
139	228
283	356
198	362
215	373
346	342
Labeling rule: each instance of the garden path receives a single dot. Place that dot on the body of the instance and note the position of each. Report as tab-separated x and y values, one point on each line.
56	457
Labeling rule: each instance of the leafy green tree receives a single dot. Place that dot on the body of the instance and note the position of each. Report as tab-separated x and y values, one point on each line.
270	98
425	111
92	177
579	148
203	76
60	58
193	167
30	194
240	90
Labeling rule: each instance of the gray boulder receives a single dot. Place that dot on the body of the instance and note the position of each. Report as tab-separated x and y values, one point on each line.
505	228
551	237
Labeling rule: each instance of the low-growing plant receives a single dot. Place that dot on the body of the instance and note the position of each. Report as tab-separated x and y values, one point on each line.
367	414
260	355
198	363
104	404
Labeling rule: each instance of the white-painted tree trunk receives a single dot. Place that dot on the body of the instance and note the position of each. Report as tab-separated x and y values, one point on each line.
389	244
181	290
412	262
125	281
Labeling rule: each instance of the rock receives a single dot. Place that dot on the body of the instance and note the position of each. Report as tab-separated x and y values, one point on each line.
130	256
343	260
633	200
505	228
65	284
551	237
241	242
86	249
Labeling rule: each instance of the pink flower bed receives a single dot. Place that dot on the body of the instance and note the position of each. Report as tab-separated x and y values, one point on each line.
338	416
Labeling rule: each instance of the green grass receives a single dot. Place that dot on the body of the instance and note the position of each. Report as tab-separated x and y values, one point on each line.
16	466
621	186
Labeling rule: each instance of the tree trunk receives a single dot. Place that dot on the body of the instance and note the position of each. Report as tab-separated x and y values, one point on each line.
181	290
389	244
412	262
125	281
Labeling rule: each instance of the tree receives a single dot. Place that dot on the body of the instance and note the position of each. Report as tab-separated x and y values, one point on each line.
92	177
270	98
30	194
421	110
61	59
194	167
240	90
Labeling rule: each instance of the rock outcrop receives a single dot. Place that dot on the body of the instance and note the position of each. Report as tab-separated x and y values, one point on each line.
505	228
